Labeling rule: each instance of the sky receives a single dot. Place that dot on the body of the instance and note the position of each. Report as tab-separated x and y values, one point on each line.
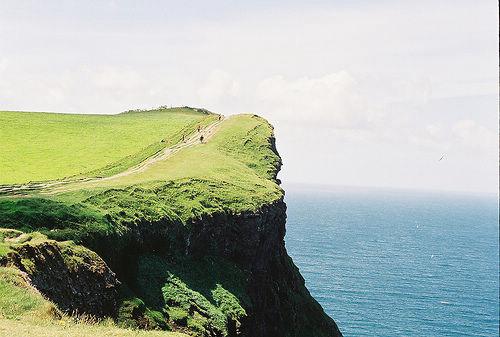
361	93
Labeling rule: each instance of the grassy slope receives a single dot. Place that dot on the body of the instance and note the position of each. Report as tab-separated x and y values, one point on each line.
234	171
236	153
27	328
47	146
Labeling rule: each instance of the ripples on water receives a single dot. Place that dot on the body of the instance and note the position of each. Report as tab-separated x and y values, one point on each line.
391	263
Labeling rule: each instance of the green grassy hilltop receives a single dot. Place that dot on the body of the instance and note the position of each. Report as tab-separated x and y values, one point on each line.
95	179
232	170
46	146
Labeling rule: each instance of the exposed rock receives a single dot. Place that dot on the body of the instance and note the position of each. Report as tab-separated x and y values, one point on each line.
281	305
73	277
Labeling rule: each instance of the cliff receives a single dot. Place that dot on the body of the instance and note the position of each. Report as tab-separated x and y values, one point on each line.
197	251
74	277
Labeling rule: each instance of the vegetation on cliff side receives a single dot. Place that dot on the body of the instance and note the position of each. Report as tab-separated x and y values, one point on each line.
25	312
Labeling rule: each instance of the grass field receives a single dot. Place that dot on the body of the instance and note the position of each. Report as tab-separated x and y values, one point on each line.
232	154
47	146
233	171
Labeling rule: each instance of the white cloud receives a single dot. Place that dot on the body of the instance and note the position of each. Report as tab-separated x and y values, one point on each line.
461	137
6	90
434	130
332	99
3	65
114	78
218	86
472	136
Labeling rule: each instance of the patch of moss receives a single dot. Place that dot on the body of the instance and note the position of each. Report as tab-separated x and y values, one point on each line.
133	313
28	265
177	315
11	239
198	324
5	237
204	295
4	249
228	304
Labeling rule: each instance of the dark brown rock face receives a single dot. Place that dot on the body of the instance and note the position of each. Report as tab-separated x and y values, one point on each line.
281	304
78	280
73	277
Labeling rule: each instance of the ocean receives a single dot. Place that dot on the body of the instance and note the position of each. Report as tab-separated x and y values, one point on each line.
398	263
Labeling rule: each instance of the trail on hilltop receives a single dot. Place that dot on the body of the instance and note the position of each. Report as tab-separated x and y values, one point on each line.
52	187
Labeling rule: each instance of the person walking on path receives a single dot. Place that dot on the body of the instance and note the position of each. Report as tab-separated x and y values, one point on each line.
201	139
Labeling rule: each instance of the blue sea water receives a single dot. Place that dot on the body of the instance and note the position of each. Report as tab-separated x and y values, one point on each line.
395	263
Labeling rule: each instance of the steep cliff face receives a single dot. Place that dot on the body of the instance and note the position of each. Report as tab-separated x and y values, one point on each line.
272	292
73	277
265	282
280	303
